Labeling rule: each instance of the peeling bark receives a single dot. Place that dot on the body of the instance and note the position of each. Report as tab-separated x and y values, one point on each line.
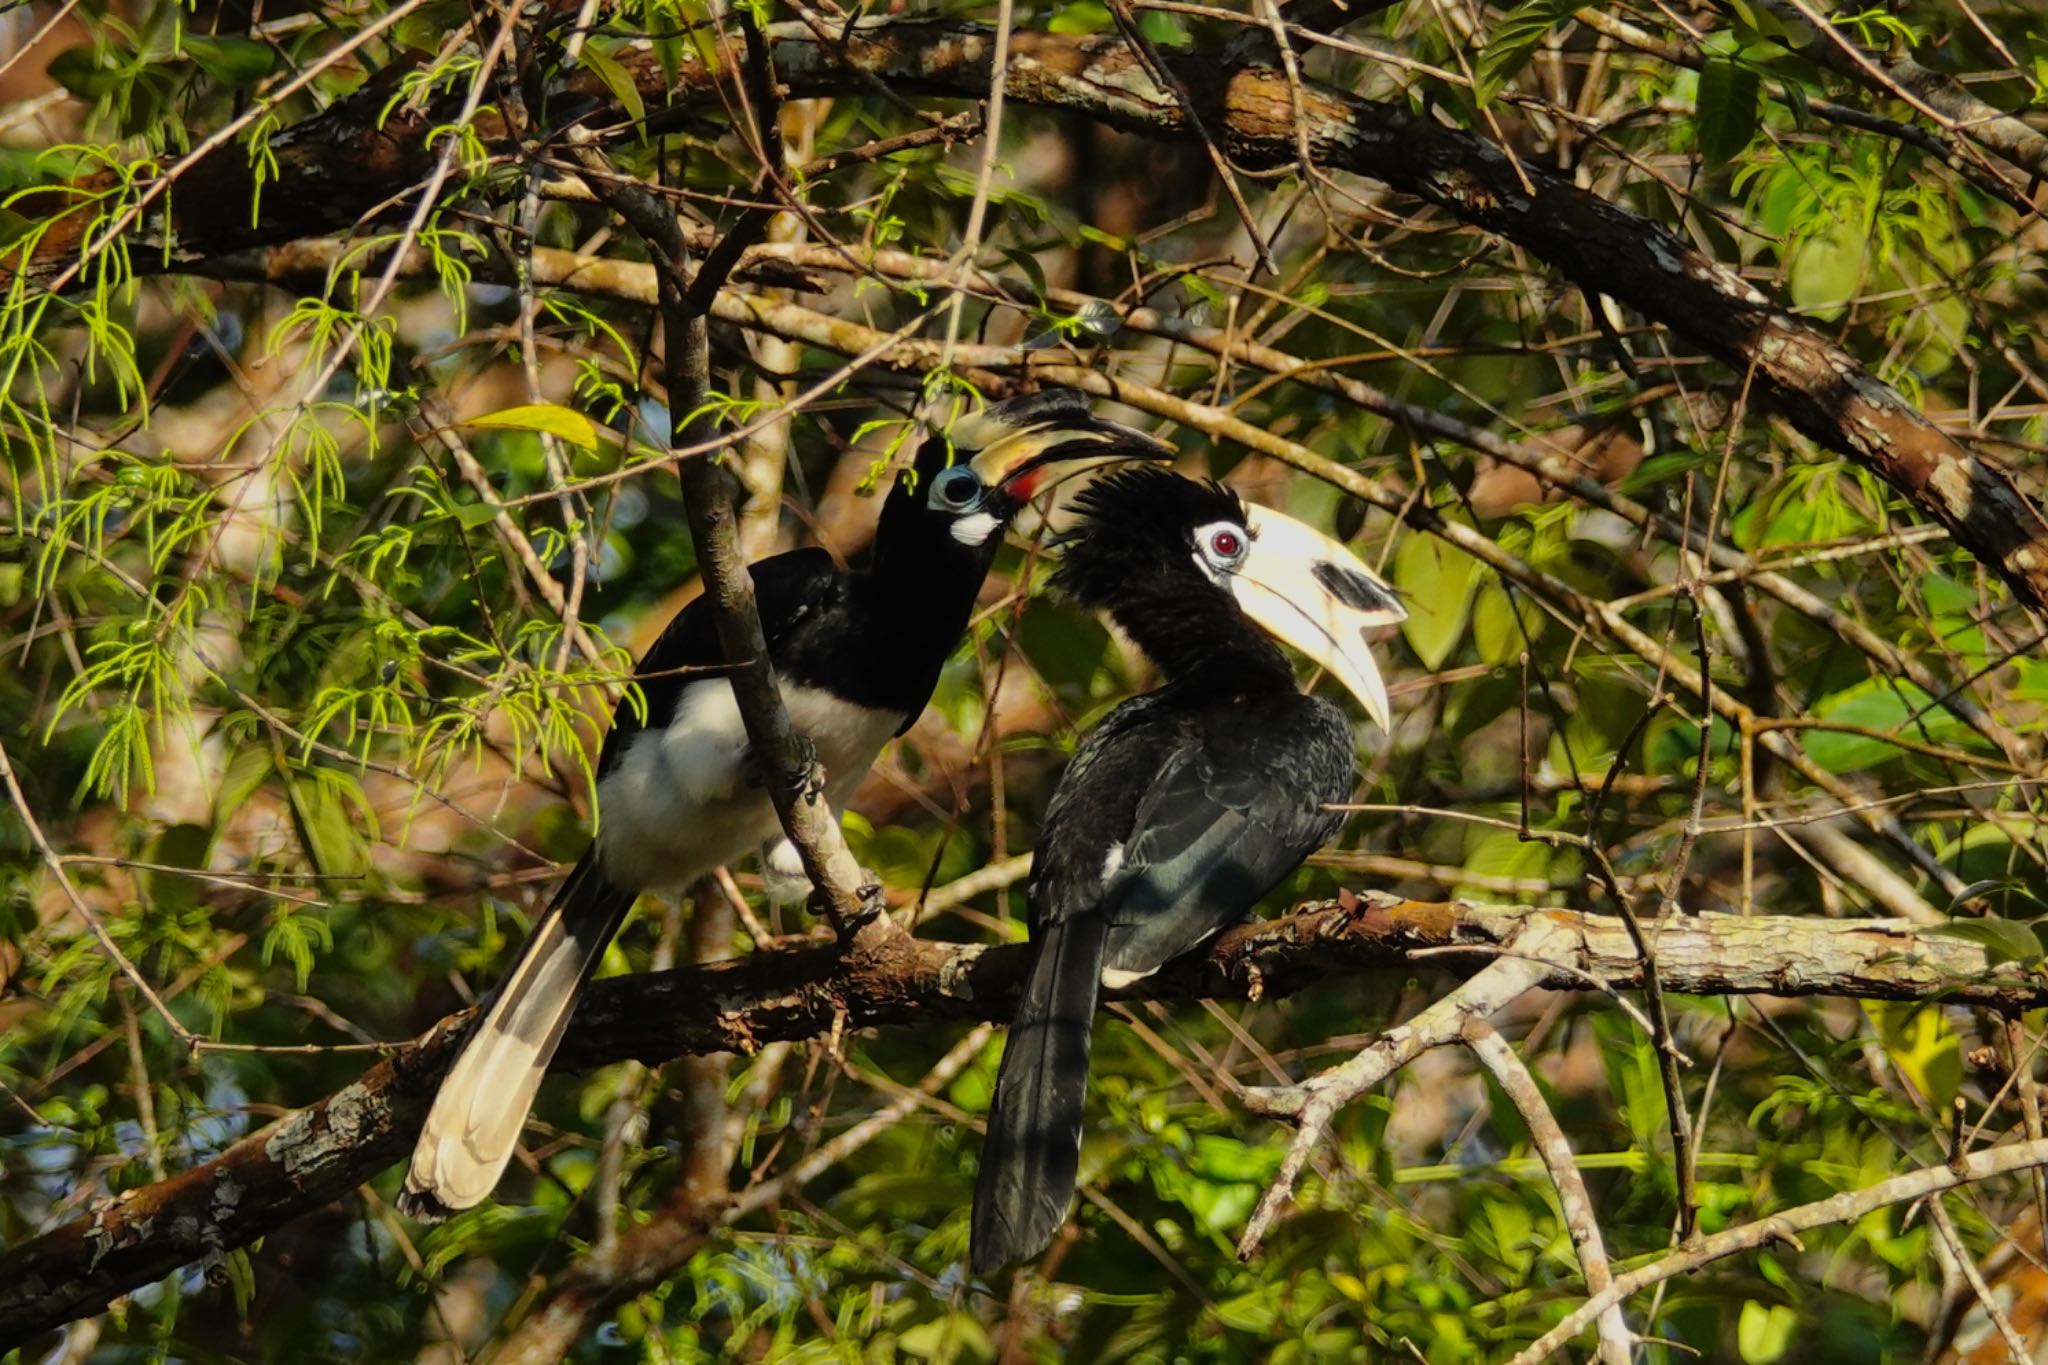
320	1153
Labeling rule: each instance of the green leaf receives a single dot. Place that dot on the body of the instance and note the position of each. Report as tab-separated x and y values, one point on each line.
1495	630
1439	583
235	61
957	1337
1084	16
1662	469
1232	1162
1066	648
2003	940
621	85
1027	261
1764	1332
178	846
1514	41
1501	853
550	418
245	773
82	71
1730	96
1879	704
1825	270
470	515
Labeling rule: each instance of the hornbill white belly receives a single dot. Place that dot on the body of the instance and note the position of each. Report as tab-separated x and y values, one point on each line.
856	655
1185	806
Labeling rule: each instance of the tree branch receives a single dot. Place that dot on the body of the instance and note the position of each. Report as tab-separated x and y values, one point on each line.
322	1152
787	767
1574	1203
1784	1227
1816	384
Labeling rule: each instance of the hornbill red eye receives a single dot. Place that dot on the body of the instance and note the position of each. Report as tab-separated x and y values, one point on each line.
1223	544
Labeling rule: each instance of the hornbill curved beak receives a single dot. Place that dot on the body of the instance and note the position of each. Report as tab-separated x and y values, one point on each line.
1312	593
1025	460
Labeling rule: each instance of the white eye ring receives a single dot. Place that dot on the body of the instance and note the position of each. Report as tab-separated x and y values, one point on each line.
956	488
1223	544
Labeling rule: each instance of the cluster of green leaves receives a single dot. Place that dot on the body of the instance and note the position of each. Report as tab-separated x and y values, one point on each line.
261	678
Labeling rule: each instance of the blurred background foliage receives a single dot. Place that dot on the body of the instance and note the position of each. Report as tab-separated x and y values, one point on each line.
312	599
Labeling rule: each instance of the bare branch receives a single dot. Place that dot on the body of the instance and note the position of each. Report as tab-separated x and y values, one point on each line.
320	1153
1312	1104
1573	1202
1785	1227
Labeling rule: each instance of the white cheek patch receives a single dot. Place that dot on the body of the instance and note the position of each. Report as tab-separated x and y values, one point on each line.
975	528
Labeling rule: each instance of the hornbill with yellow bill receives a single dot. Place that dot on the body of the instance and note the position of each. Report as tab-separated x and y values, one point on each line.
1185	806
856	656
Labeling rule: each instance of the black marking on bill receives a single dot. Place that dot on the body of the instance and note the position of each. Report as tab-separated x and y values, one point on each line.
1358	591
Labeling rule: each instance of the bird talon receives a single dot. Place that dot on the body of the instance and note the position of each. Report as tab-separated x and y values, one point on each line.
873	903
807	783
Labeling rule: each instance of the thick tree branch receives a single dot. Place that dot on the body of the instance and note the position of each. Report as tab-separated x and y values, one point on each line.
1251	108
322	1152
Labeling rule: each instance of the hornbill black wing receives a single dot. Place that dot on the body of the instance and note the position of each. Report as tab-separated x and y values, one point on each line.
478	1114
1234	809
1167	828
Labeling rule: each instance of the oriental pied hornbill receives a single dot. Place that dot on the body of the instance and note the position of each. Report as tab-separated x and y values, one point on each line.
1185	806
856	655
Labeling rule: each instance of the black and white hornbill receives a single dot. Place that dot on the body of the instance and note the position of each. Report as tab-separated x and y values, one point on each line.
1185	806
856	655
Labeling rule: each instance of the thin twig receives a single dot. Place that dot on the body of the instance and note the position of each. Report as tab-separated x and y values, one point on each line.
1575	1205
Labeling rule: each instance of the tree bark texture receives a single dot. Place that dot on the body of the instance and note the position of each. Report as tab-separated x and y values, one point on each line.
354	157
320	1153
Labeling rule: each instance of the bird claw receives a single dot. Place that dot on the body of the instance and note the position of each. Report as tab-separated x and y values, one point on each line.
871	904
808	782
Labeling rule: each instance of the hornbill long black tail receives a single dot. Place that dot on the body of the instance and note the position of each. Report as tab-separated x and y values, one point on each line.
856	655
1185	806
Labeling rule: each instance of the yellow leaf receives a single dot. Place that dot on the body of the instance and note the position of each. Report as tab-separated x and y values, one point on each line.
551	418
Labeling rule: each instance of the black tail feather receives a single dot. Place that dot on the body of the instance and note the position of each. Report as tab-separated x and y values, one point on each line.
1032	1154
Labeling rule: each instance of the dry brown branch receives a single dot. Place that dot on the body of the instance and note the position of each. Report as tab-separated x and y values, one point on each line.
791	773
320	1153
1574	1204
1785	1227
1816	384
1312	1104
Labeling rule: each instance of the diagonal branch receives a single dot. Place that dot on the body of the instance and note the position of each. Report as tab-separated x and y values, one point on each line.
1785	1227
789	767
1261	121
1573	1202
